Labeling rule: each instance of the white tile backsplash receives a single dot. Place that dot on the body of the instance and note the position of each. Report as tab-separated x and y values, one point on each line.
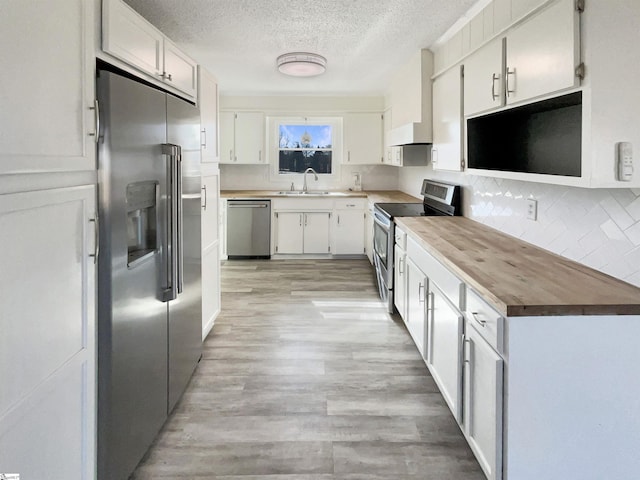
596	227
259	177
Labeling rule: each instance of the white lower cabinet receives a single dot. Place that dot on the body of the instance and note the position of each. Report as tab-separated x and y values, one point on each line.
400	281
302	232
482	425
416	292
444	349
210	251
349	231
48	333
368	234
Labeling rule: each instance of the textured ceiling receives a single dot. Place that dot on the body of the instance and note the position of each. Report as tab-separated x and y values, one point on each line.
363	40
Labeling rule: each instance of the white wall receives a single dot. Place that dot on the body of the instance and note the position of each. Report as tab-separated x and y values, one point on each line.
597	227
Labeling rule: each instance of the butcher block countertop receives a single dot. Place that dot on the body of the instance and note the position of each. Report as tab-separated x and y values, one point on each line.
375	196
518	278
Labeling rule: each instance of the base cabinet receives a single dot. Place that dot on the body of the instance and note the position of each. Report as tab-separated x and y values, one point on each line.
416	308
210	251
302	232
349	232
400	281
483	388
444	349
47	339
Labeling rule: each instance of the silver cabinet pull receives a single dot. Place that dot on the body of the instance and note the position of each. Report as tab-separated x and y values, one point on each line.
420	288
259	155
338	219
482	323
305	219
231	155
510	72
96	117
494	77
204	138
300	219
96	241
204	191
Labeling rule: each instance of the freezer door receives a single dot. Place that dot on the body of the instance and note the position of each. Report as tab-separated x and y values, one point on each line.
132	317
185	312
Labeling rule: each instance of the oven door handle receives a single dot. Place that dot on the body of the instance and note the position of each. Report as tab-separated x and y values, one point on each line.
379	222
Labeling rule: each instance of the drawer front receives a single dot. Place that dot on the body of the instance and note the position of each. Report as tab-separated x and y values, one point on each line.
487	321
400	238
437	273
350	203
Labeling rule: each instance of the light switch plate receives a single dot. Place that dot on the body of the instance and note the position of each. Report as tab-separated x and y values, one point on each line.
532	209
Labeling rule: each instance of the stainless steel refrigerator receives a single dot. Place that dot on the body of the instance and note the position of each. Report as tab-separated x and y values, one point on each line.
149	288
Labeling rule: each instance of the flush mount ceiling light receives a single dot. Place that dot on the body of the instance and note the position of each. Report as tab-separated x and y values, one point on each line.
300	64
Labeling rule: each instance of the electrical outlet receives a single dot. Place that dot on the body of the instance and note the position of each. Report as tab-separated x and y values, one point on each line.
532	209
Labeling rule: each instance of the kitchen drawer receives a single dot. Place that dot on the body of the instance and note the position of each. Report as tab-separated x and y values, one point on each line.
350	203
437	273
488	322
400	238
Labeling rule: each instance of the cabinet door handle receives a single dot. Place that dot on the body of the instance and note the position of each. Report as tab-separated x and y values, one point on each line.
231	155
400	266
259	155
482	323
338	219
96	117
305	219
349	156
431	302
204	190
300	219
494	77
420	288
510	72
96	241
204	138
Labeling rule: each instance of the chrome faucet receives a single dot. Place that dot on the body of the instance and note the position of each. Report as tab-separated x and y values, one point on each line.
315	174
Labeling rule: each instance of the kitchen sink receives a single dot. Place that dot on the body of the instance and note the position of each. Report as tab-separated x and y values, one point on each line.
311	193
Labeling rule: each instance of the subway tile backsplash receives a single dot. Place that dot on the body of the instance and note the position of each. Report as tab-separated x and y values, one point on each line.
596	227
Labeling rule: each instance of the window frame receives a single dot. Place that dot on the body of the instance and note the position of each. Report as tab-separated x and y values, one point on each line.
273	143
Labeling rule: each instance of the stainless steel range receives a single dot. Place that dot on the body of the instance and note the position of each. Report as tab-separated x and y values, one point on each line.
438	199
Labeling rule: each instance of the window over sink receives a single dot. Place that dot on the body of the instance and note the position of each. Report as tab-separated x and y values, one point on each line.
298	143
305	146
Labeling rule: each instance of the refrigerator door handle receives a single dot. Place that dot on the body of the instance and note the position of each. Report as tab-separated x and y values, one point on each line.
180	218
170	259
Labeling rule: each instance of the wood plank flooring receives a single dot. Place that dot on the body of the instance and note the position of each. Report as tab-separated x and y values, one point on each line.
306	377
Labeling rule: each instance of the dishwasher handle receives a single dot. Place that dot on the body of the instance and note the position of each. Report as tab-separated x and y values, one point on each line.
240	205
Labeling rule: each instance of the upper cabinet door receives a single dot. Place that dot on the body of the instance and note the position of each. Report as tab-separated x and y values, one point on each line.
227	137
543	53
447	121
249	137
208	103
363	138
180	71
129	37
483	79
48	93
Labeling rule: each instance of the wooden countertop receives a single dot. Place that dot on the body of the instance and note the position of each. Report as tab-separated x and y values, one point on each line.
518	278
375	196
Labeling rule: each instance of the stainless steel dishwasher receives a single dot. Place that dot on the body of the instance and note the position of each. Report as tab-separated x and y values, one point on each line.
248	229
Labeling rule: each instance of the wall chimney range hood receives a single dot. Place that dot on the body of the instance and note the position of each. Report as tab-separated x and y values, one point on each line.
411	101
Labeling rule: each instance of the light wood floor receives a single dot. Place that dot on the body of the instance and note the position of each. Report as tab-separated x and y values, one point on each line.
306	377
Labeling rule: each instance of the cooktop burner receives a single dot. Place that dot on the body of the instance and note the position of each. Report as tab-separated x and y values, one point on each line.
401	209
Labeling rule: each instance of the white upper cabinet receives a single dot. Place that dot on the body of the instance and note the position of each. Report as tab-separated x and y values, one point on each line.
543	53
208	104
242	138
363	138
48	94
127	36
484	79
520	8
180	70
446	153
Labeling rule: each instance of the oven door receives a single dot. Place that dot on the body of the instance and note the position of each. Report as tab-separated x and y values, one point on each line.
383	256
